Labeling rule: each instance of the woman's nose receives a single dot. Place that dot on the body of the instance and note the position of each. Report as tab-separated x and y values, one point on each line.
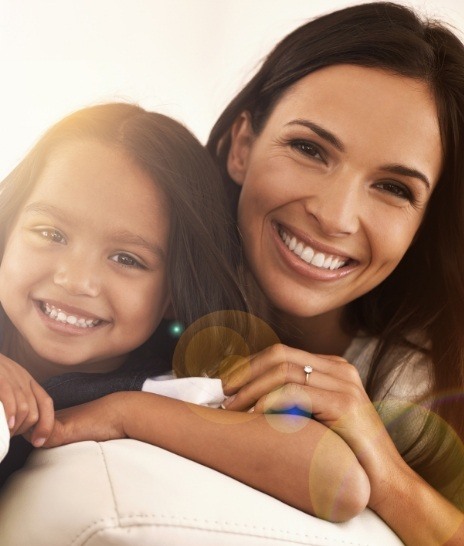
79	276
337	208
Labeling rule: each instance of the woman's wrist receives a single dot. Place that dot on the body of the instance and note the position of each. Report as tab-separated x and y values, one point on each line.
413	509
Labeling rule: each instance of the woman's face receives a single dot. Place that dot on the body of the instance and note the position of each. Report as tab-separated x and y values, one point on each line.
336	184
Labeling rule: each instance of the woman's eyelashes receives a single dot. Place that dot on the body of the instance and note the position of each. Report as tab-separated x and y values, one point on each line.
309	149
397	190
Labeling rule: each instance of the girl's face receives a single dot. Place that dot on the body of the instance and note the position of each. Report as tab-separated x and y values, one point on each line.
83	277
335	186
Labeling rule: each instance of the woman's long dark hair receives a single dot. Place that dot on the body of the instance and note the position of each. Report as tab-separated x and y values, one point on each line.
201	254
426	291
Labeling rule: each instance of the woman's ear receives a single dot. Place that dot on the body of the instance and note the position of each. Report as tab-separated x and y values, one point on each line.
241	137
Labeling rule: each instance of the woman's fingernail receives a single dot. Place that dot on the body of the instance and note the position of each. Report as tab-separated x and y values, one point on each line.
39	442
11	422
228	402
251	410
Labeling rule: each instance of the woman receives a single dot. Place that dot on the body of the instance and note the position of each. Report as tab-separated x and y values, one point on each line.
344	155
317	175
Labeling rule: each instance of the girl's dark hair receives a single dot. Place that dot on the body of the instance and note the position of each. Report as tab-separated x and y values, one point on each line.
426	291
201	256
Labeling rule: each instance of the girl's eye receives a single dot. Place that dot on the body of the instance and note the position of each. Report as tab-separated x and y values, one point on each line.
397	189
52	235
127	261
308	148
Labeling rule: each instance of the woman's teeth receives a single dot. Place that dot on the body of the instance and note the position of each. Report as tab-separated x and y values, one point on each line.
309	255
60	316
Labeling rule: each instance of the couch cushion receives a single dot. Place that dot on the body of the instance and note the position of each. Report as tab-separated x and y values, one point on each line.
125	492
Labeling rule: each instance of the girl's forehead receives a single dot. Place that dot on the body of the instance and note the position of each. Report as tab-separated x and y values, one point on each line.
97	184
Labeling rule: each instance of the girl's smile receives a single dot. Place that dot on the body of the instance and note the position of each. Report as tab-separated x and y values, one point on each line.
94	235
335	184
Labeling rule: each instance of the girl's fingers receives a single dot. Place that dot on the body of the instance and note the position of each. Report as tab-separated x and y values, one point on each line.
44	426
8	398
27	413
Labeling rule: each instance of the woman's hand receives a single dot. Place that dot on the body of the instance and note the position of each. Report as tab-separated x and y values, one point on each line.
26	403
274	380
98	420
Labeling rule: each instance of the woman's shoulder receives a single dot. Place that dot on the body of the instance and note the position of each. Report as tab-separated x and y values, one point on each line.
408	373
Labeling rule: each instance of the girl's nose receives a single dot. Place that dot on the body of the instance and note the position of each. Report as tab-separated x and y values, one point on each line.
337	208
77	277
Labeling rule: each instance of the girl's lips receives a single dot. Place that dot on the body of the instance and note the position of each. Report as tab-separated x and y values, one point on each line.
64	323
68	309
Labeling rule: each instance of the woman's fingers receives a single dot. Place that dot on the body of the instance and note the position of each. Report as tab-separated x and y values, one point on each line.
250	368
281	374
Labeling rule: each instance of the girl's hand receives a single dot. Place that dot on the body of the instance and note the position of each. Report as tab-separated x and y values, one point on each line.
98	420
25	402
274	380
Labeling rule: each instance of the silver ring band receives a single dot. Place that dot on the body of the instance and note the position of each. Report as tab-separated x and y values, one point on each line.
308	370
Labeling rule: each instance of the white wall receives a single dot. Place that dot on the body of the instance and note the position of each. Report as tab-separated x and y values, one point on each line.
186	58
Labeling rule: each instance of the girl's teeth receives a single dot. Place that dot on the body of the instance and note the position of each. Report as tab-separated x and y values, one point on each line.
307	254
60	316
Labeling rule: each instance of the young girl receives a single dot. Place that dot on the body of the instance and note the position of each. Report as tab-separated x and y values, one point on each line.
113	221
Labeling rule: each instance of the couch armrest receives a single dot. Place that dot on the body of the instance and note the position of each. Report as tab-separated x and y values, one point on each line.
125	492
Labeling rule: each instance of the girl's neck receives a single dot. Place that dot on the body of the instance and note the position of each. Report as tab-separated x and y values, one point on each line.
323	334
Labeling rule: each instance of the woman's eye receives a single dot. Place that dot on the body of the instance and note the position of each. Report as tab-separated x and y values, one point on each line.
127	261
52	235
396	189
308	148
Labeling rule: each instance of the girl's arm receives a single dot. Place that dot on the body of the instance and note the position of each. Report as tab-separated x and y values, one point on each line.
333	392
292	458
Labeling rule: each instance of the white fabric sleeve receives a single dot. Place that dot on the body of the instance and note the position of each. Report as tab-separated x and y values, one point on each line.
4	434
203	391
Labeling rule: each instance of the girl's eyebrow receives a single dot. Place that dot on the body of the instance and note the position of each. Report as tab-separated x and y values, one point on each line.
128	238
119	237
336	142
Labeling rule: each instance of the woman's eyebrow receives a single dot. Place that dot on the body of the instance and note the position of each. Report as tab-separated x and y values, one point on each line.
406	171
332	139
320	131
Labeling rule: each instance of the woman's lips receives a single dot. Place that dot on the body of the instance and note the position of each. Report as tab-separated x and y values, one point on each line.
312	260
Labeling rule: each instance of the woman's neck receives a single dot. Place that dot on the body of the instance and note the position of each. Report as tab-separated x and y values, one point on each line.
321	335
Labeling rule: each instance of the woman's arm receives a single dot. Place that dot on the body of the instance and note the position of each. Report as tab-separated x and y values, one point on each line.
292	458
275	379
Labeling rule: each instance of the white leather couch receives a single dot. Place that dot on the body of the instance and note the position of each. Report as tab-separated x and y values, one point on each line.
124	492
